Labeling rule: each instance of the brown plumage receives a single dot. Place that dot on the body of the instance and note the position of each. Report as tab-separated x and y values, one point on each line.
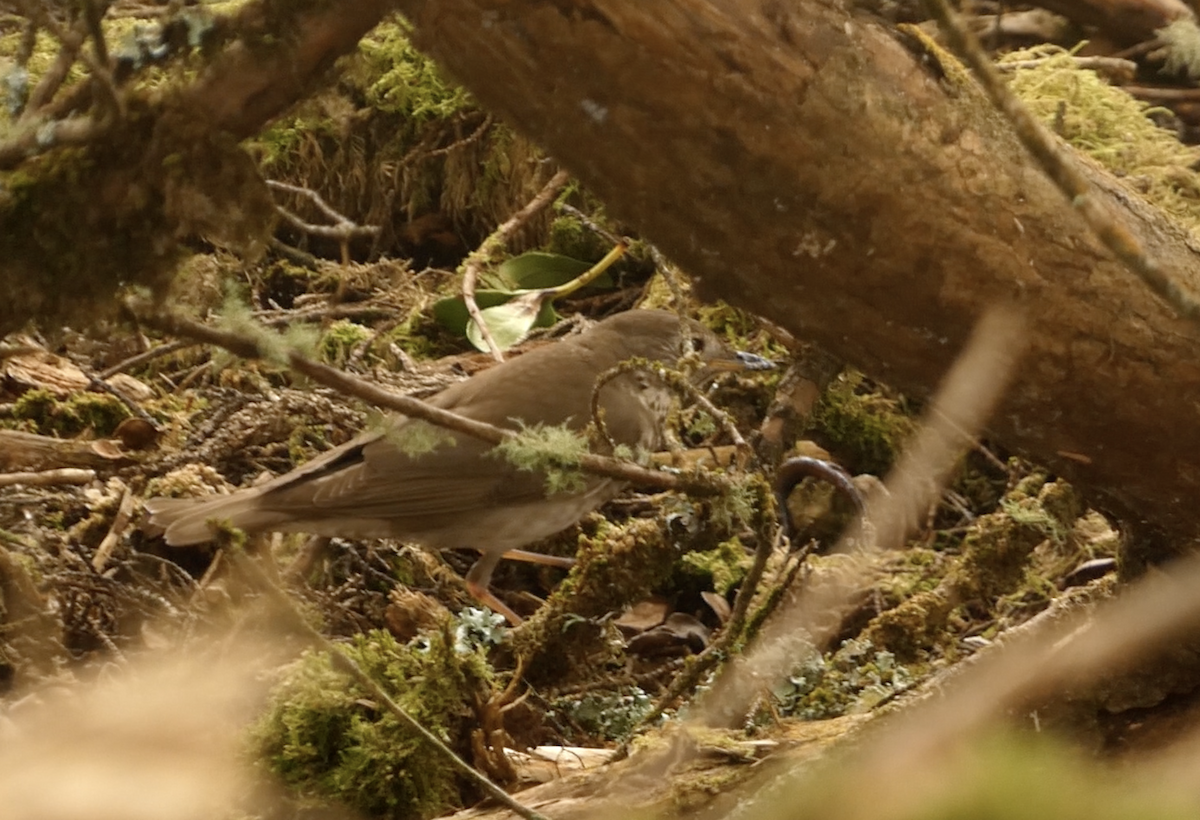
460	494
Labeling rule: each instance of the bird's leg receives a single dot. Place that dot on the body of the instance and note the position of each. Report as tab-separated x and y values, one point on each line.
540	558
480	576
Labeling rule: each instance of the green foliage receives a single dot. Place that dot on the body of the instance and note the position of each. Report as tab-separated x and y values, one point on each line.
550	449
864	428
518	296
339	339
726	565
404	81
324	736
1112	127
98	412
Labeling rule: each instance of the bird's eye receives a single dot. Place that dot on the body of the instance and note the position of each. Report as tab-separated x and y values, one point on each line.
698	343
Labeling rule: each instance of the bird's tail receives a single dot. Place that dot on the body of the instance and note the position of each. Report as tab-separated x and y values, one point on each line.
185	521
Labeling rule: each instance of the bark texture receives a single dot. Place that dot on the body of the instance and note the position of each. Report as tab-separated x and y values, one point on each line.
809	165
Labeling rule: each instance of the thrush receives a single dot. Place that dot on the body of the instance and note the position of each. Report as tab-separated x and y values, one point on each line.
462	494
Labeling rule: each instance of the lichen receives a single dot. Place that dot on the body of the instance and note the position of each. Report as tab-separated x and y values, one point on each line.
551	449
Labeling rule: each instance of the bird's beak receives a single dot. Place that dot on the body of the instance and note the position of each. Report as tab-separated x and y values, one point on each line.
737	360
751	361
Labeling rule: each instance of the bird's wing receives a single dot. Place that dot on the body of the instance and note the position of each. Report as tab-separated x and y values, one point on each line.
373	477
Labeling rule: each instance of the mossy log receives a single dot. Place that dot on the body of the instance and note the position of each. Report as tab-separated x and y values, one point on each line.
805	162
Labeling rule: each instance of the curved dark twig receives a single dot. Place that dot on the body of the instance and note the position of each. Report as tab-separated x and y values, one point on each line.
795	470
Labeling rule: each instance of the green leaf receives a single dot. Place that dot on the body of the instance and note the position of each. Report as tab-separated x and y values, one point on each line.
537	269
451	313
511	322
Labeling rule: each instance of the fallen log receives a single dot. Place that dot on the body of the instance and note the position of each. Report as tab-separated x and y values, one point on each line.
816	168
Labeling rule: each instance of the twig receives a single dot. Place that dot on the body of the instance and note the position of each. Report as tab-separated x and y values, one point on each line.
717	651
1163	94
52	80
474	263
672	379
346	664
592	225
342	229
33	140
1064	171
146	356
48	478
295	255
1113	67
97	64
474	136
132	406
120	523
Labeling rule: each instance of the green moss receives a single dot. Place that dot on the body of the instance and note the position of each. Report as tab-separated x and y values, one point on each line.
570	237
725	566
997	570
398	79
339	339
324	736
863	427
99	413
1111	127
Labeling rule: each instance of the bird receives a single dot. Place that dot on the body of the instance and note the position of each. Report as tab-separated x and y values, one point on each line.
461	494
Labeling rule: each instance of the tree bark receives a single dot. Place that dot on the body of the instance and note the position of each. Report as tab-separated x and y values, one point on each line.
806	164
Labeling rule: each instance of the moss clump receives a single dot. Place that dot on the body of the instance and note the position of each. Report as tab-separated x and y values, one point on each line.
398	79
995	566
863	427
340	339
1111	127
726	565
325	737
99	413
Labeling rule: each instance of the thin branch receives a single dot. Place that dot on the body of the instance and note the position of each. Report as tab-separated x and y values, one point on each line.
342	229
36	139
145	356
483	254
54	77
674	380
717	651
48	478
473	137
591	224
1123	70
